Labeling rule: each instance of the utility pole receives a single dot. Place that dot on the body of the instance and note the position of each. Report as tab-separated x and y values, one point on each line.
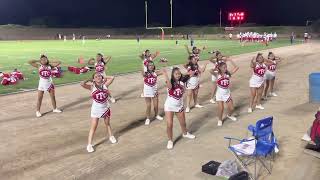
171	13
220	17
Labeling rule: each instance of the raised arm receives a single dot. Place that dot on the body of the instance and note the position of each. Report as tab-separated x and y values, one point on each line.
155	55
166	77
107	59
253	62
213	72
109	80
204	67
85	84
226	58
34	63
278	59
212	60
187	48
142	72
159	72
141	56
268	62
55	63
235	67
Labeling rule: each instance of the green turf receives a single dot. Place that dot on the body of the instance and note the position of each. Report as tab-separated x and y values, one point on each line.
15	54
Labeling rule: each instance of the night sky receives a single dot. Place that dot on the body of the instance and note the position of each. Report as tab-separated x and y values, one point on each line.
130	13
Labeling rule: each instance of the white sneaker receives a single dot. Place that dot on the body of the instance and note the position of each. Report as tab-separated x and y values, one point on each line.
147	122
38	114
56	110
212	101
142	95
219	123
198	106
306	137
260	107
187	110
273	94
90	148
276	149
113	100
232	118
112	139
249	110
188	135
170	145
159	117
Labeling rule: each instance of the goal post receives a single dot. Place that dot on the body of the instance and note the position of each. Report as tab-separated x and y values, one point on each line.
161	28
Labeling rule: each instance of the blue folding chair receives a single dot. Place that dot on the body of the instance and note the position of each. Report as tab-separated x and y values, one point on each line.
260	148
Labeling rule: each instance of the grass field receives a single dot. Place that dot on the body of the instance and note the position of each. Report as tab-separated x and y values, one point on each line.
15	54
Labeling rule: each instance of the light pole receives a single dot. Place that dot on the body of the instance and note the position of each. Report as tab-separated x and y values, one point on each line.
220	17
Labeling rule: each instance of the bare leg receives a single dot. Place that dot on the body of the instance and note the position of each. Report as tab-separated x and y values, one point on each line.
53	98
253	96
148	103
272	84
189	97
169	118
94	125
195	96
182	120
266	88
40	97
230	107
220	110
213	92
108	126
156	105
259	94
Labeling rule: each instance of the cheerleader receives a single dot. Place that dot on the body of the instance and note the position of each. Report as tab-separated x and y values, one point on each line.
150	91
216	59
45	82
100	106
193	82
174	103
223	94
256	83
147	57
195	51
100	67
271	75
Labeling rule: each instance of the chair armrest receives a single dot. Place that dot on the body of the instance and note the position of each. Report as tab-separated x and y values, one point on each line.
230	138
252	128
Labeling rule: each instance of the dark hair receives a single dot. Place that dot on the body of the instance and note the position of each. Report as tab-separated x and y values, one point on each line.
183	78
193	66
95	84
150	62
220	64
102	59
217	53
44	56
317	115
269	54
259	54
145	52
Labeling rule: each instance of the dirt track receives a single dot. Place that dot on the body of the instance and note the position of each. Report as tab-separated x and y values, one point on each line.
53	147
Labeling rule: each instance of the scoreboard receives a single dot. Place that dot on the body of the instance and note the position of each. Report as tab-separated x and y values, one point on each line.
236	16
